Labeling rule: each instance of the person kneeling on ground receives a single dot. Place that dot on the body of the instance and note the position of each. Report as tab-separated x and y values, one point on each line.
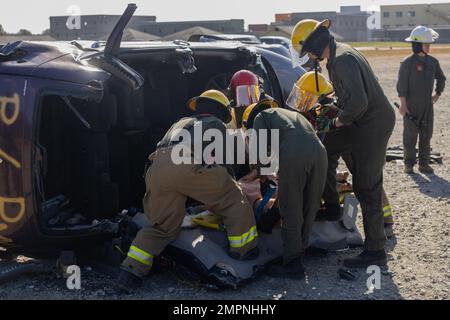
169	185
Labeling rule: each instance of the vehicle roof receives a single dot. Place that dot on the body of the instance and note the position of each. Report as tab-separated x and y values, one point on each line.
236	35
58	59
245	37
273	37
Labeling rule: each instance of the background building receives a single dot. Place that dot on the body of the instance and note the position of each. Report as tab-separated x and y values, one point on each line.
286	31
258	29
188	33
350	24
93	27
410	15
97	27
163	29
397	21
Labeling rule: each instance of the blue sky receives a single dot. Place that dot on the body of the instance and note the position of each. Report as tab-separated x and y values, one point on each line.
33	14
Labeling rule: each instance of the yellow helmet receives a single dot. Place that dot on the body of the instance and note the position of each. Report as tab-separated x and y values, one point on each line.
212	95
303	30
308	83
307	91
253	110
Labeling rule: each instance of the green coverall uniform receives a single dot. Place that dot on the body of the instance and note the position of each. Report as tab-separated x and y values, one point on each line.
416	81
302	174
168	187
370	120
338	144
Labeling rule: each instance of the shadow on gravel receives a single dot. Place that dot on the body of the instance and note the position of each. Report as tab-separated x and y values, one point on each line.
432	186
368	283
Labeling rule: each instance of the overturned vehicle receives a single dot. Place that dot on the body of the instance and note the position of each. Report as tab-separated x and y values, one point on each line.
77	123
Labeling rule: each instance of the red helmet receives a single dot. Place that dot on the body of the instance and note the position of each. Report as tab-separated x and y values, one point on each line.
244	88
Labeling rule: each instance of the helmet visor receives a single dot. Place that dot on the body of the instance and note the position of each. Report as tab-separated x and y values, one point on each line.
297	59
302	100
247	95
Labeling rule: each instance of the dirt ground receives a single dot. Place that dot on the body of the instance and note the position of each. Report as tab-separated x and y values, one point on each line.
419	255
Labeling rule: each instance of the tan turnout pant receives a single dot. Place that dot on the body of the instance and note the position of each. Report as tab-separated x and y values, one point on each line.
168	187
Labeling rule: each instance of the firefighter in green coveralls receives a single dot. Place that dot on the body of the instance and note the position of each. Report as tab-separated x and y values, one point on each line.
302	173
170	183
416	79
315	104
370	119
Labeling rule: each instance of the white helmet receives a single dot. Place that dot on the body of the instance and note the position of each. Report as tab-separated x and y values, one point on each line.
423	34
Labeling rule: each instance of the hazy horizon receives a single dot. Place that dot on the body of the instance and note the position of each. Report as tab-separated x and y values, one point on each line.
37	13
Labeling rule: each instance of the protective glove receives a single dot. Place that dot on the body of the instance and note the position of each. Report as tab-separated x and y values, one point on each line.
324	124
327	100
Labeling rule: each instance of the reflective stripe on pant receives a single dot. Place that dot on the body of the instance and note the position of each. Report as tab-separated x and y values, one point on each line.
388	216
169	186
138	261
237	242
140	256
387	209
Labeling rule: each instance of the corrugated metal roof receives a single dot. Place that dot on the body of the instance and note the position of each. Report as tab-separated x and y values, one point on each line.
286	31
130	34
186	34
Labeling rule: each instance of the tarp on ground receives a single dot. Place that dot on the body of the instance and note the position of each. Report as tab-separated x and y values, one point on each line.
205	250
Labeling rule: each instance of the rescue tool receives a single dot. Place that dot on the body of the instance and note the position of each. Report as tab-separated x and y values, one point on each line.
414	119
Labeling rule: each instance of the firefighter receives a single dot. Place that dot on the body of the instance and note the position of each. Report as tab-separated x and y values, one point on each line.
369	118
309	100
302	173
416	79
244	90
169	185
336	143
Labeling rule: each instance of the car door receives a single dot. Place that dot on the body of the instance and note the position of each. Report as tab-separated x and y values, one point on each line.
108	59
281	72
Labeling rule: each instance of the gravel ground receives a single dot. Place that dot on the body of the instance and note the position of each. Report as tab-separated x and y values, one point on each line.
419	255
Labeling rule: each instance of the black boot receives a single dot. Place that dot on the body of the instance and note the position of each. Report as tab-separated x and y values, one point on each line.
366	259
253	254
332	212
128	282
293	270
426	169
389	230
268	220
